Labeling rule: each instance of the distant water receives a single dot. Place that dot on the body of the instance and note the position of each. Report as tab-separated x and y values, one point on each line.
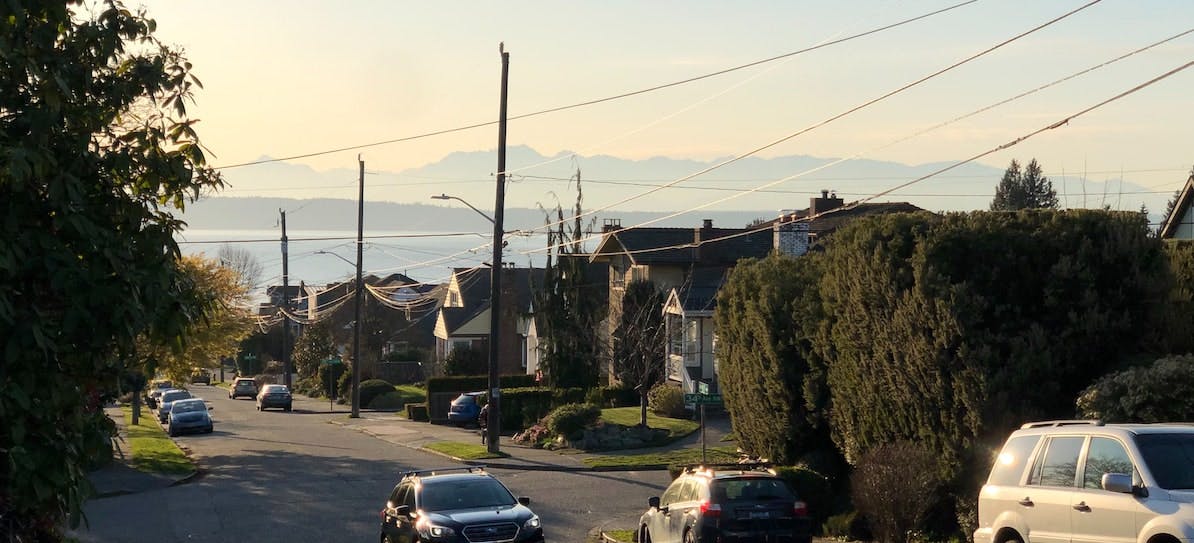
421	255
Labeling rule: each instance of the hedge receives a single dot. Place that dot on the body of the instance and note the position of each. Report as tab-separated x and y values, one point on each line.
468	383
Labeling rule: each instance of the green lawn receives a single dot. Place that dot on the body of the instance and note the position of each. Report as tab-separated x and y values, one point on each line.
629	416
661	459
621	536
152	450
464	451
411	393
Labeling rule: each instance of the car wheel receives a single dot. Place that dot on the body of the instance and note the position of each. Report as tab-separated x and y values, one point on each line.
259	407
288	409
688	537
173	433
209	430
644	536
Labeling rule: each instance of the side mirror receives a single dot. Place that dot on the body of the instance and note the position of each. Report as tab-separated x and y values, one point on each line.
211	408
1118	482
653	502
401	511
524	500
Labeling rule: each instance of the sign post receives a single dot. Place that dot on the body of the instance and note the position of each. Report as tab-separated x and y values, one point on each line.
331	380
702	399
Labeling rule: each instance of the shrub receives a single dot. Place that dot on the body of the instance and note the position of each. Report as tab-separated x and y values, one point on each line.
569	419
373	388
894	485
388	400
666	401
1162	392
848	526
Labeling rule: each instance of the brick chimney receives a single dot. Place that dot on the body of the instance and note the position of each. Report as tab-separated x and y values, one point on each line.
790	236
705	232
826	202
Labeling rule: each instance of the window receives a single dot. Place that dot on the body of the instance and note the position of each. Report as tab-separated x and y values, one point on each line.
690	492
1106	455
1010	463
408	497
524	351
1170	458
1059	465
399	494
672	494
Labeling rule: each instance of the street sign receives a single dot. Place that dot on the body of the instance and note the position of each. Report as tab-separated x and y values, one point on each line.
702	387
703	399
332	362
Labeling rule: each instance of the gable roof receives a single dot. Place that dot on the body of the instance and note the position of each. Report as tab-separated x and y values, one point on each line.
1181	208
699	292
475	291
705	245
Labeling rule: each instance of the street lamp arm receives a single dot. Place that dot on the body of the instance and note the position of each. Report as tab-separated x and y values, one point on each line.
461	200
349	262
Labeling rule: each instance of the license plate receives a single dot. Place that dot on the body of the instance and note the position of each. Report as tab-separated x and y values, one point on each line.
758	515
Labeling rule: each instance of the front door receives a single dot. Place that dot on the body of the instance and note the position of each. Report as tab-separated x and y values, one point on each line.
1099	515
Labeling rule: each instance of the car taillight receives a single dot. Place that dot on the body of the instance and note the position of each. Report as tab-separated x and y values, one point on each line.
800	509
383	515
710	509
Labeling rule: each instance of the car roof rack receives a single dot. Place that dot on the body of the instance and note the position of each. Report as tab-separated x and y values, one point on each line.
1056	423
740	467
437	471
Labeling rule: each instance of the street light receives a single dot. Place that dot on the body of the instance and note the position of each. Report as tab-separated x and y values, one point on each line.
493	414
356	335
461	200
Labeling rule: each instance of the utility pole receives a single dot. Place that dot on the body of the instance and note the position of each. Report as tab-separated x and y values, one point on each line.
285	305
356	327
492	432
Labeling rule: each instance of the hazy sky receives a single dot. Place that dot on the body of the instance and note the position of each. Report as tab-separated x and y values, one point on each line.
287	78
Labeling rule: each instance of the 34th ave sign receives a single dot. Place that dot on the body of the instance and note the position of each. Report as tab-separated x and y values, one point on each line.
703	399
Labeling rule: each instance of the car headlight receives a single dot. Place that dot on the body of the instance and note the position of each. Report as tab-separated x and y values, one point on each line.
531	523
440	531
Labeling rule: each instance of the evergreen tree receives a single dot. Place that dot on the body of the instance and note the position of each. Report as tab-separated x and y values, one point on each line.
638	356
568	306
1029	189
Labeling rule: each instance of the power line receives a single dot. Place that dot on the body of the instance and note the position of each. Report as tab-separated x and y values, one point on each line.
608	98
335	238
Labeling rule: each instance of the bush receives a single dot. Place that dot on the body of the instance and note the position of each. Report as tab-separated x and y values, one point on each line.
373	388
894	485
848	526
666	401
571	418
388	400
1162	392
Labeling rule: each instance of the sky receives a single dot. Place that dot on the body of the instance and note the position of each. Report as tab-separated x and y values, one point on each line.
289	78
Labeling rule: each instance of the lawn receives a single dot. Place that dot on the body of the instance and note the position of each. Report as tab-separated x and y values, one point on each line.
621	536
411	393
629	416
464	451
152	450
662	459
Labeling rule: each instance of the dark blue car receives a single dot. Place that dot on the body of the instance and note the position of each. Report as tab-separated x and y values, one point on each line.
465	408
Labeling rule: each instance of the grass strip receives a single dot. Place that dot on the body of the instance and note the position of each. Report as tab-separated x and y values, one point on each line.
153	451
663	459
464	451
621	536
629	416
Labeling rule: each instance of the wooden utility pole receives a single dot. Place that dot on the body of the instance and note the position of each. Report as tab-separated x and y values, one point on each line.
360	288
492	432
285	304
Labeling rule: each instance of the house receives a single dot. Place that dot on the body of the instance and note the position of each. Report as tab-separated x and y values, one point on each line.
691	265
463	319
1180	222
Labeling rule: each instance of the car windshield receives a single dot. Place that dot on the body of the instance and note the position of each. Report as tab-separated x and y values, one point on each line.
467	494
187	407
276	389
464	399
175	395
751	489
1170	458
246	384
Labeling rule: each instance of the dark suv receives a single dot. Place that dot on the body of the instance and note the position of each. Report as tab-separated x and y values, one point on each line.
456	505
726	504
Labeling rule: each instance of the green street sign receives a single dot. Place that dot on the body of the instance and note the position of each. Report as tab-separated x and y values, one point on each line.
332	362
705	399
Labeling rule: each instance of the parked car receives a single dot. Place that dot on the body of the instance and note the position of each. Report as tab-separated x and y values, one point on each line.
457	504
167	400
1071	480
465	408
274	396
155	390
201	376
189	415
243	386
726	503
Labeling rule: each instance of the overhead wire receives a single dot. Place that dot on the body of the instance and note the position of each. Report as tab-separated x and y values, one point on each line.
607	98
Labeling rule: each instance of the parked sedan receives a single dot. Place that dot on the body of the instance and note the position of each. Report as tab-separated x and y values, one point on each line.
243	386
190	415
274	396
167	400
465	408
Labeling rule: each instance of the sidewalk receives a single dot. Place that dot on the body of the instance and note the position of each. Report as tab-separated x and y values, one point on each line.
391	428
119	476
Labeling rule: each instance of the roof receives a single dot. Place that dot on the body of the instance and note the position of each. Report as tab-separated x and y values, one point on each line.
699	292
1171	223
686	245
475	292
828	222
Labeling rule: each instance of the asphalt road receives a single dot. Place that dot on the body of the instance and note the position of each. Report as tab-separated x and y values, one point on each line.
294	477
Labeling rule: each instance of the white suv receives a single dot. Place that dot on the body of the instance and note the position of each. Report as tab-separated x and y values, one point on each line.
1084	481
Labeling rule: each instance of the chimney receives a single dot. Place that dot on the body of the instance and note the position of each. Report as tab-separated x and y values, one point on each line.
825	203
611	225
707	224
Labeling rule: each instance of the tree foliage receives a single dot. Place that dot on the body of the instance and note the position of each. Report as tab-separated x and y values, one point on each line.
1029	189
767	313
466	361
311	349
1161	392
98	153
638	342
568	308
